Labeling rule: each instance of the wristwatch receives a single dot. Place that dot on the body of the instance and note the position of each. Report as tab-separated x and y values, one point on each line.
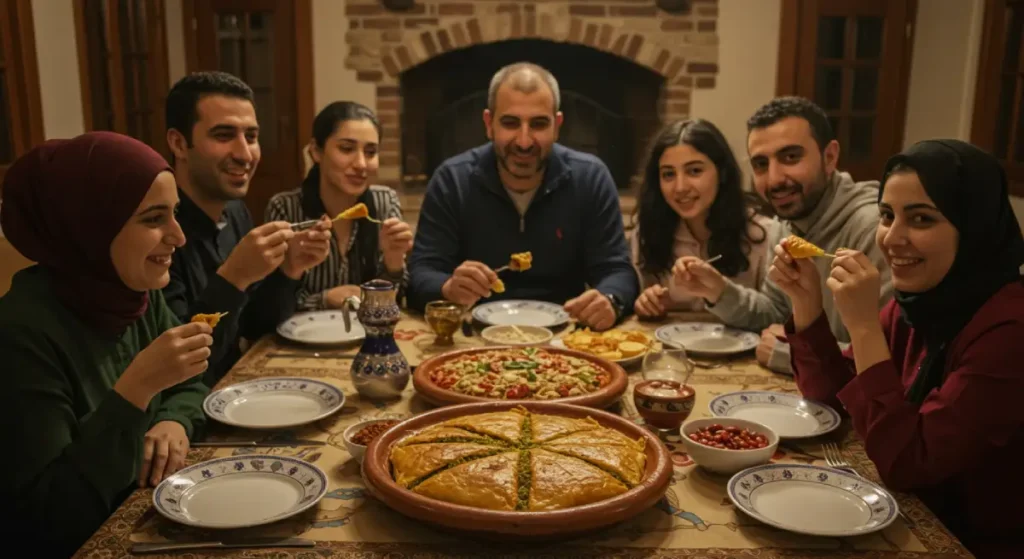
617	305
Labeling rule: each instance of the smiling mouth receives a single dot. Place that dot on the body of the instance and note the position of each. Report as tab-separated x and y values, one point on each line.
163	260
901	262
687	201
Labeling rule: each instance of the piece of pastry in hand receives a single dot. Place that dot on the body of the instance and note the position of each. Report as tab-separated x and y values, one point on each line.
498	286
802	248
211	319
357	211
521	261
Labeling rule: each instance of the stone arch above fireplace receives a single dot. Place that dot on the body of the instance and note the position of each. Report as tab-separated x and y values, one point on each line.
682	48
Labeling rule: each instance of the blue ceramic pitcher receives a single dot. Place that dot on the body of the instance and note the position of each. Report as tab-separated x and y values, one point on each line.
379	370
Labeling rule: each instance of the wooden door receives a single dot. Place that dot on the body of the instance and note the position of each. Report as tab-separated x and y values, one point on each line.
255	40
998	124
852	58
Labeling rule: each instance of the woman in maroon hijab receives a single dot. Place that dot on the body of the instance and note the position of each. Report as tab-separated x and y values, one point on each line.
101	389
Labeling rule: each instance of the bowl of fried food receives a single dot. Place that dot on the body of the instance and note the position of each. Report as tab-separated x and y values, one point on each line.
623	347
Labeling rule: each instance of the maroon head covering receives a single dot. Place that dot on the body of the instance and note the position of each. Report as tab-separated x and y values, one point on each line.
63	204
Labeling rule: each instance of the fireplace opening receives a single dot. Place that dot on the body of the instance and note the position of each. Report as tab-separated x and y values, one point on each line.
610	104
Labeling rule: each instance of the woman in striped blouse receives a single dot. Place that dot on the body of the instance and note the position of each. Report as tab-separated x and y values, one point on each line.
346	139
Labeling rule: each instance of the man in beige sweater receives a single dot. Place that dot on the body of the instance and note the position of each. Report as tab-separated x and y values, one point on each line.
793	154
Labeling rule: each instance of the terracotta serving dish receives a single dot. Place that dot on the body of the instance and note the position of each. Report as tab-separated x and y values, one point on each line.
601	398
517	526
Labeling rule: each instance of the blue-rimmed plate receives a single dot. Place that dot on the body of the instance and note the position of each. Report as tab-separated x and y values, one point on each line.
790	416
274	403
707	338
812	500
521	313
321	328
240	491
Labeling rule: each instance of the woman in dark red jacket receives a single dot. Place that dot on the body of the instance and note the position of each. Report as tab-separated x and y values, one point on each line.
936	387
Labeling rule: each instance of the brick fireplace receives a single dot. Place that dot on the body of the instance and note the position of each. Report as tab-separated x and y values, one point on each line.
624	66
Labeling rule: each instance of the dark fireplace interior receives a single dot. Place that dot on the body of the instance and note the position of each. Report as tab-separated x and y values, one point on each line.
610	103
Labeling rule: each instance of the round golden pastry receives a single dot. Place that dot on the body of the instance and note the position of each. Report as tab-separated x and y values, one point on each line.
516	460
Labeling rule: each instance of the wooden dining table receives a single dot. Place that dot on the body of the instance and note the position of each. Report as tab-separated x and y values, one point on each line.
695	519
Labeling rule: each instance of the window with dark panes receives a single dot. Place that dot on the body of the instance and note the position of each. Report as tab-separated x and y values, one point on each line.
245	43
999	99
851	58
123	57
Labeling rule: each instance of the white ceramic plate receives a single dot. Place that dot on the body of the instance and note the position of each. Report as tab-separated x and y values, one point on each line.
791	417
812	500
321	328
627	362
240	491
274	403
707	338
521	313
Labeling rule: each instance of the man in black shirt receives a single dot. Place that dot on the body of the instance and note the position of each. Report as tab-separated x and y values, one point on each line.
226	265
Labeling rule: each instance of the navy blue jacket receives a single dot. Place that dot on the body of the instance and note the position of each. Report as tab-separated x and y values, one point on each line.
573	227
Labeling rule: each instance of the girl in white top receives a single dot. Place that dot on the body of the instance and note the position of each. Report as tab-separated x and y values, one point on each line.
691	206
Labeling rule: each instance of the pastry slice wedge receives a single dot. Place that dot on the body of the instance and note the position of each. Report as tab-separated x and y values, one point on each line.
487	483
413	462
625	462
546	427
445	434
505	425
558	481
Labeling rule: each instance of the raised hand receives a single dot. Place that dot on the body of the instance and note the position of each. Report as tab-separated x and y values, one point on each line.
172	358
800	281
395	243
258	254
307	249
469	283
698	278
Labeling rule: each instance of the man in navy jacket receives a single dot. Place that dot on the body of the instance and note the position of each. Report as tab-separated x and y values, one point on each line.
524	192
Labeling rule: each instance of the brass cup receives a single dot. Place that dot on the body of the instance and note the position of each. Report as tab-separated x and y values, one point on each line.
444	319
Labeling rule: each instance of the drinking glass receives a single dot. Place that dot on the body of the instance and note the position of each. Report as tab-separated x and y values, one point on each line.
668	364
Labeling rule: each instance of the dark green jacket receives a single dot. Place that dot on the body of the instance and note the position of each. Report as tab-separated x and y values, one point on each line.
73	445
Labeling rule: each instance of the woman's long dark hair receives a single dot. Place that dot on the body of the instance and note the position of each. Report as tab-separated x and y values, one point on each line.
728	218
368	236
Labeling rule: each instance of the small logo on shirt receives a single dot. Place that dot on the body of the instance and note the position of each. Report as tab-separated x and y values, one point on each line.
558	233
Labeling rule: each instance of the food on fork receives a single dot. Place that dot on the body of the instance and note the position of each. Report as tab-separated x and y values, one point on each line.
211	319
802	248
357	211
614	344
521	261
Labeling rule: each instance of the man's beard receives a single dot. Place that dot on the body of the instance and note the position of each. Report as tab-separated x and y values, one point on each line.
806	201
208	182
517	172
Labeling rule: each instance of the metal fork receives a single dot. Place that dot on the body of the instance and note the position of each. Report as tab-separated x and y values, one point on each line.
834	458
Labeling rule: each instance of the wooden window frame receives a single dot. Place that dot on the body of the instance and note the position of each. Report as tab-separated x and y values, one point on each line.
157	66
19	44
986	92
789	77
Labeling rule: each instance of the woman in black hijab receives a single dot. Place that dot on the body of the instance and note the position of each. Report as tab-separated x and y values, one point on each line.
934	388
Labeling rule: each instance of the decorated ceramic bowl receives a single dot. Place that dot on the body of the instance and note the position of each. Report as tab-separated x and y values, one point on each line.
664	404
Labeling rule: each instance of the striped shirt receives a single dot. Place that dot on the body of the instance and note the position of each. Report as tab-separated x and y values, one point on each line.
336	270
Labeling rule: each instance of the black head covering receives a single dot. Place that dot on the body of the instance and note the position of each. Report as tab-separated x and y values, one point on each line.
969	187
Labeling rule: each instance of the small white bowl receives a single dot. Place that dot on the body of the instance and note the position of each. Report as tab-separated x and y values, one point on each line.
503	334
358	451
724	460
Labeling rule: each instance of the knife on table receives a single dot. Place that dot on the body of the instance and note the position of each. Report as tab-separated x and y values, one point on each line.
288	442
143	548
